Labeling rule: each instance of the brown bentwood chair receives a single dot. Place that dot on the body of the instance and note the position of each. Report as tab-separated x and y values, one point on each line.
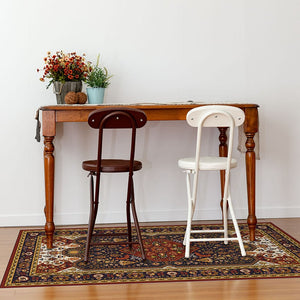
114	118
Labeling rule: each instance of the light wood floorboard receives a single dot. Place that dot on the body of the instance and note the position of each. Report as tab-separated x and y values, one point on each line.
262	289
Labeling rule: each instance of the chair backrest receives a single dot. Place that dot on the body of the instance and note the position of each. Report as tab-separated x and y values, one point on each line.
215	116
117	117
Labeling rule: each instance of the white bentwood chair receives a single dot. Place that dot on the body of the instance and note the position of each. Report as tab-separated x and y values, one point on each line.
211	116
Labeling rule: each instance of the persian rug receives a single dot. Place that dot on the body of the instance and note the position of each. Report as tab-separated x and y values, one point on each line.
274	254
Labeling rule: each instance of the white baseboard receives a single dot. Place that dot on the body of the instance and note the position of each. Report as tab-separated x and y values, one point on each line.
108	217
152	216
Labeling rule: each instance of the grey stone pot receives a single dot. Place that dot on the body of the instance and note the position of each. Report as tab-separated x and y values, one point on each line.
61	89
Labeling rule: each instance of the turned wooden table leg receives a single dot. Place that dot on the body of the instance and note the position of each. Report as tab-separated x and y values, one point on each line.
250	128
49	188
250	170
49	133
222	153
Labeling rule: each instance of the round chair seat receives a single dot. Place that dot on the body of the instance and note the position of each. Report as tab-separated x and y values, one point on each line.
111	165
206	163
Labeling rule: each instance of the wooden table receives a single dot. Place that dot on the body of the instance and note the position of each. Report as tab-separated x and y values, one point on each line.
155	112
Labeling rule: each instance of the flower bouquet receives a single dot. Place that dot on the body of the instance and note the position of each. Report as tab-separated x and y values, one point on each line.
65	71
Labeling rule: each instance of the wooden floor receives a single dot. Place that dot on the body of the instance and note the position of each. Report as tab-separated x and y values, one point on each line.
262	289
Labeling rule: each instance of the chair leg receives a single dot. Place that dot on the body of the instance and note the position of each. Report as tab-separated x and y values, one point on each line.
128	202
225	218
236	227
136	222
188	233
191	209
188	188
188	198
92	218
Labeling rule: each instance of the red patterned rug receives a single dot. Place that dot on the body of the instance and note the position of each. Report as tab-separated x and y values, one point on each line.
274	254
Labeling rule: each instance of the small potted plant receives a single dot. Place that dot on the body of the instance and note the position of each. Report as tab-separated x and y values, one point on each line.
65	71
97	81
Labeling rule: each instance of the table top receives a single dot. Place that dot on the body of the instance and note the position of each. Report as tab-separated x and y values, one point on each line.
144	105
155	111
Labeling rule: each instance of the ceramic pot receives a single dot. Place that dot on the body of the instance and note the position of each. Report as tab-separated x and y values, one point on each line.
95	95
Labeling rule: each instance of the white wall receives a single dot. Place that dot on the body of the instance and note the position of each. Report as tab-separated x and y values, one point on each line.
158	50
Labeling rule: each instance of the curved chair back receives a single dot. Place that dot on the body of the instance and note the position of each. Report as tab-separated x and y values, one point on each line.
118	117
215	116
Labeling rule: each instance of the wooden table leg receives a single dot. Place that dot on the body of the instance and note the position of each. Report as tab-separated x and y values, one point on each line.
250	128
49	133
222	153
250	174
250	170
49	188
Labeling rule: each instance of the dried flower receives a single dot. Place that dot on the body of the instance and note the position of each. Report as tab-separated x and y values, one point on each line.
64	67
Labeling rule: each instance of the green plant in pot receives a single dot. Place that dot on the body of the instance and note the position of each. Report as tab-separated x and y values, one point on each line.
97	80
